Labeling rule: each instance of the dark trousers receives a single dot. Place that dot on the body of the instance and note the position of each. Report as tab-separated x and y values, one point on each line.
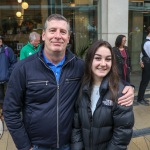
144	81
2	92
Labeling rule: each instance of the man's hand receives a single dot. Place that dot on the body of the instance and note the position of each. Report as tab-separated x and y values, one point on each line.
142	64
128	97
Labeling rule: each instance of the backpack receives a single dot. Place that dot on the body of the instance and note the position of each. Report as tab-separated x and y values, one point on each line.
145	57
143	51
6	51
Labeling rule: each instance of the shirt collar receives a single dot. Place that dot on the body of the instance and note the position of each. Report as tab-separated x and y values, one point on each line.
50	63
148	37
33	45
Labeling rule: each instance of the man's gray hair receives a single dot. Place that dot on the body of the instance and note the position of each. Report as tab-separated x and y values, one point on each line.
56	17
33	36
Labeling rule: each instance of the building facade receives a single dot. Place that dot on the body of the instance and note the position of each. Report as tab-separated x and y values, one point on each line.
89	19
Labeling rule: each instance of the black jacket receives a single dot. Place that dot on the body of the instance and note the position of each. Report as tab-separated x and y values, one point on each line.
7	62
110	127
47	107
120	63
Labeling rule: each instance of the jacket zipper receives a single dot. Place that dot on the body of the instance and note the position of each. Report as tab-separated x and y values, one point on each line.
91	135
57	100
46	82
58	116
91	125
58	108
57	104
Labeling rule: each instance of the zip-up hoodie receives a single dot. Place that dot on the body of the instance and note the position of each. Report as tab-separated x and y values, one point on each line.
47	106
7	61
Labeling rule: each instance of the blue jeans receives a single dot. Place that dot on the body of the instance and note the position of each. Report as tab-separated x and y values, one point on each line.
65	147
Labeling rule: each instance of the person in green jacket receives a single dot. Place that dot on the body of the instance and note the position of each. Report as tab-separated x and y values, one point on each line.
32	46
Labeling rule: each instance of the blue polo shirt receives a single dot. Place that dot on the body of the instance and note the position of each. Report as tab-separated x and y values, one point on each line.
55	68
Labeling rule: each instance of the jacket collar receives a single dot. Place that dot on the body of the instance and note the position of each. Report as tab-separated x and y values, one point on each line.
69	54
102	89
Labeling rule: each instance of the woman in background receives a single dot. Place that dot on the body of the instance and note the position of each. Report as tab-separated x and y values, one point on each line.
122	58
99	122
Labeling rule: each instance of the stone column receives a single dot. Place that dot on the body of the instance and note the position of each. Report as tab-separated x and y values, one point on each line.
114	19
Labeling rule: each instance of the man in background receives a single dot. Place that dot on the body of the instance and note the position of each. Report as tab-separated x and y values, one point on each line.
145	65
7	61
32	46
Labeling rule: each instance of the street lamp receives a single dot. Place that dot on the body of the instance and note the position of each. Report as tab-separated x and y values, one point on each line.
24	5
19	1
18	14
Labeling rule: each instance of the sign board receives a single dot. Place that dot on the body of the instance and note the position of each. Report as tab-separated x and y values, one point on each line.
19	46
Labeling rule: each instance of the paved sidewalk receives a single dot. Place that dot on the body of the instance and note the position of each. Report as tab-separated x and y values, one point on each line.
141	135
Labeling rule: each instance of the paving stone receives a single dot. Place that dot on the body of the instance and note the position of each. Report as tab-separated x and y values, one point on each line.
142	143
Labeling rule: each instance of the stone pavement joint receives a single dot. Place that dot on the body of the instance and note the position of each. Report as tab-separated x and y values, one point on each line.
141	132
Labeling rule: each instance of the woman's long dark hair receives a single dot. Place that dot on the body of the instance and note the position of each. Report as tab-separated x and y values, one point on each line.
113	74
119	40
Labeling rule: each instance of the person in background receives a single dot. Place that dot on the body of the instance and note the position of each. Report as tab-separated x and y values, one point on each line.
7	62
145	65
44	87
99	122
32	46
122	58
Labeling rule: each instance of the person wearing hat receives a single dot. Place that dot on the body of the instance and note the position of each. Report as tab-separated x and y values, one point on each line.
7	61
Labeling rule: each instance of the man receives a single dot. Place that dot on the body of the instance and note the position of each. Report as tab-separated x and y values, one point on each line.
45	88
7	61
32	46
145	65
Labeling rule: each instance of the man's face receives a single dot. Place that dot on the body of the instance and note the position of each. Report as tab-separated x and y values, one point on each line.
36	42
56	36
1	42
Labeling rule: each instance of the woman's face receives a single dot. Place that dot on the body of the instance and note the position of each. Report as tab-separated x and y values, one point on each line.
101	64
123	41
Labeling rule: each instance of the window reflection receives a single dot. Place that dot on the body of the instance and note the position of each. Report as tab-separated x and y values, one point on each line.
82	16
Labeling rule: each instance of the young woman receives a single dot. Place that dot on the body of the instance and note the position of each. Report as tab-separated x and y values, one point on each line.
122	58
99	122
